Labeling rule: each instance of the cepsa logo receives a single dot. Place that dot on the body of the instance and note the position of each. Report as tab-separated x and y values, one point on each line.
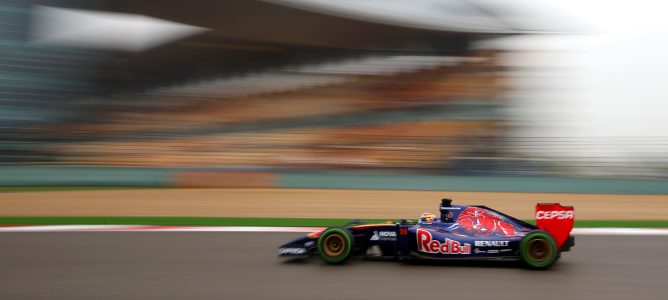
429	245
554	214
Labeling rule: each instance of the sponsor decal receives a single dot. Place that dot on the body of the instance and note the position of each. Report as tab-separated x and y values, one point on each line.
292	251
555	214
384	236
491	251
309	244
491	243
403	231
427	244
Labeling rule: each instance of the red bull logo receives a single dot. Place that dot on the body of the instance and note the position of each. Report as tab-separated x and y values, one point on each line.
483	222
427	244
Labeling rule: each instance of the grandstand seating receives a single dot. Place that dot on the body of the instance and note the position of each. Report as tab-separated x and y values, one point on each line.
407	120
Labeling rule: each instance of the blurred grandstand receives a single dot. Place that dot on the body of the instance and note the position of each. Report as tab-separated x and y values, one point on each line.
271	85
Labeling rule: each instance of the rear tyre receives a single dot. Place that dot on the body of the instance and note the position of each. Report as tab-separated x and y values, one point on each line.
335	245
538	250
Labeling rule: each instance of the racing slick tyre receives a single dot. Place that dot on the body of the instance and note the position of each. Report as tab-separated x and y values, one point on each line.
335	245
538	250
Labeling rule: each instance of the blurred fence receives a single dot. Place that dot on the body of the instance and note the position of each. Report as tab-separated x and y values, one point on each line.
164	177
616	157
83	176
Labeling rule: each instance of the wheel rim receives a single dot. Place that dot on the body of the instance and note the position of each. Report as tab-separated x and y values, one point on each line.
539	250
334	245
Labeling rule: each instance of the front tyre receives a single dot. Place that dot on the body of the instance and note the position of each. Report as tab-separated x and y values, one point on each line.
335	245
538	250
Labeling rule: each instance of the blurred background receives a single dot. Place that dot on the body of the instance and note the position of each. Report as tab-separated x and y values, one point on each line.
431	87
140	115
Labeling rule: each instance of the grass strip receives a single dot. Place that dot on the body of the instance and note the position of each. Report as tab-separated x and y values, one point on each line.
227	221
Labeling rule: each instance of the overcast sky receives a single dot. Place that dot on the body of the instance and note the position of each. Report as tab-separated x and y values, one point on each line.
611	81
617	85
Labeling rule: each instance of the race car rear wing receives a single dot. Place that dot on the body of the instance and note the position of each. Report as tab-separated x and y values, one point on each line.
557	220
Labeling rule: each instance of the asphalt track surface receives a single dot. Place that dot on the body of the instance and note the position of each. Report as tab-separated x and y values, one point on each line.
187	265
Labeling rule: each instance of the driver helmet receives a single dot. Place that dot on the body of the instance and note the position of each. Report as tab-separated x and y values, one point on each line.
427	218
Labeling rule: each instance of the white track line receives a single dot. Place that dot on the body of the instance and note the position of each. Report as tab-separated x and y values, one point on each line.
149	228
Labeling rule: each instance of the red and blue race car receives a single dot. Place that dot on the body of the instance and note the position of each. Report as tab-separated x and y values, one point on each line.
461	232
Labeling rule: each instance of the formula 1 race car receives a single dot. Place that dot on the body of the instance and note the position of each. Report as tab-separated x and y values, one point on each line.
461	232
